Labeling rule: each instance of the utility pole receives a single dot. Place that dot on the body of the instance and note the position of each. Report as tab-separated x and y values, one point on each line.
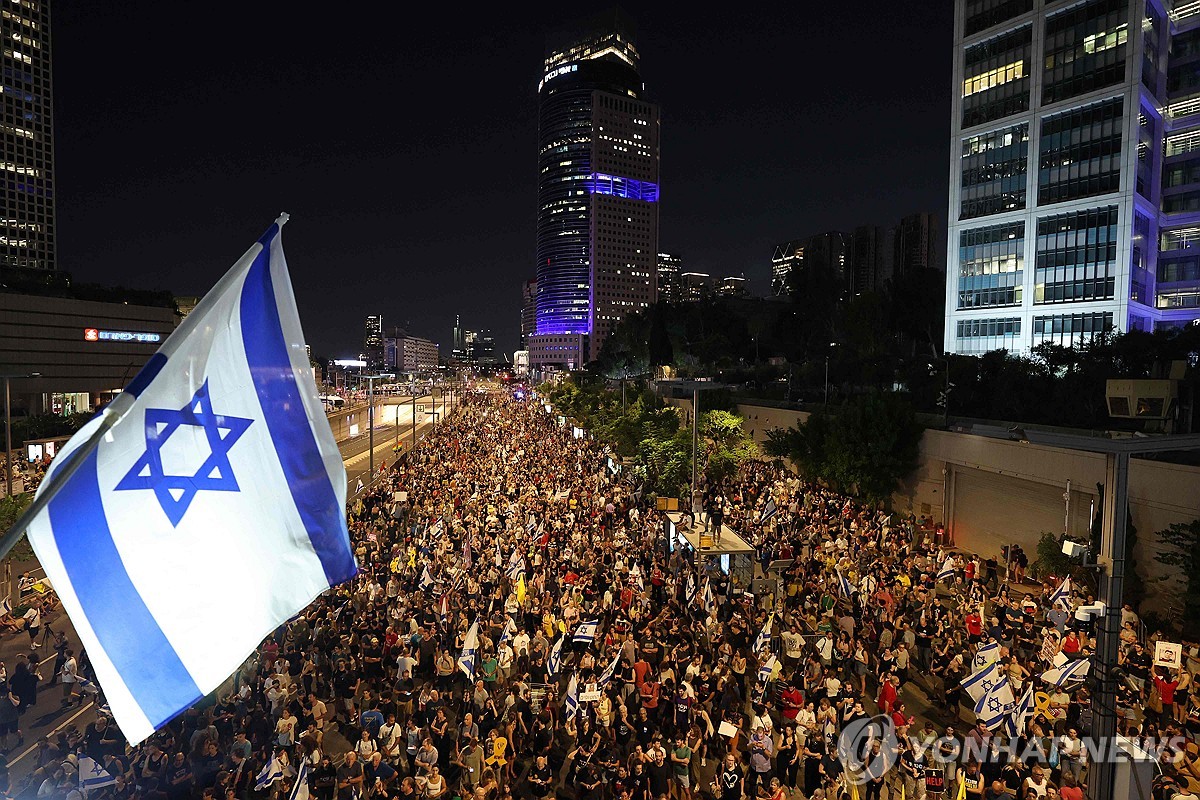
695	434
371	426
413	392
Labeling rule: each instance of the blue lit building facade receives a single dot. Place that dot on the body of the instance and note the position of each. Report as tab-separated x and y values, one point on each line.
1075	171
598	191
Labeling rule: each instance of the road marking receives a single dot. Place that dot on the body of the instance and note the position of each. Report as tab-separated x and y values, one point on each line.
61	725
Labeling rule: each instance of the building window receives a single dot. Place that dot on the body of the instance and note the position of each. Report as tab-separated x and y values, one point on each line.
996	77
1076	256
1080	152
979	15
1141	283
990	266
1085	49
1152	27
994	167
983	335
1070	330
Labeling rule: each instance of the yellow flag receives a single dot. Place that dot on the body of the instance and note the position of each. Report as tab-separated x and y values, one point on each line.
395	565
521	589
853	789
962	789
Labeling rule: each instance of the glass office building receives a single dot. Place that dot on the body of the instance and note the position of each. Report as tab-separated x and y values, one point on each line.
26	137
597	217
1075	174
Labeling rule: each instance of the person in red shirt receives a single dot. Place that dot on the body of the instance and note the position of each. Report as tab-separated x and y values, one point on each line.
1070	645
1166	692
793	701
888	694
974	624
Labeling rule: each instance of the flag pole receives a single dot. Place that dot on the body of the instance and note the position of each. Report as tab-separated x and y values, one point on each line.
52	485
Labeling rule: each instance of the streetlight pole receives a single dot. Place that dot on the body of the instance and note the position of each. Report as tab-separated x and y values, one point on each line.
371	426
695	436
413	391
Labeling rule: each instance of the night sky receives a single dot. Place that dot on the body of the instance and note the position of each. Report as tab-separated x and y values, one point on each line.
404	147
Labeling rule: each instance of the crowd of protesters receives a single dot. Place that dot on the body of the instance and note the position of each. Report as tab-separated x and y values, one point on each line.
504	530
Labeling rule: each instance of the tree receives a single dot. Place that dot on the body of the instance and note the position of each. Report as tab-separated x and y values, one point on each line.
873	444
659	348
1182	541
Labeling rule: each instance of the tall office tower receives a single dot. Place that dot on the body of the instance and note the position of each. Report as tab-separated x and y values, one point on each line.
915	244
787	257
597	217
458	350
870	259
528	310
26	134
669	269
373	342
1075	176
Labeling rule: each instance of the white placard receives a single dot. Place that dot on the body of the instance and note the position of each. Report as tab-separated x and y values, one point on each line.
1168	654
399	497
727	729
592	692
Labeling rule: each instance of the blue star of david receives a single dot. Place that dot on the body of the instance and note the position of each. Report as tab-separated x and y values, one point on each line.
994	705
176	492
987	684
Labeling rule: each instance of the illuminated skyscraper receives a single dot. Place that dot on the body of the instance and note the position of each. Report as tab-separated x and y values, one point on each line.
1075	171
373	341
27	218
598	160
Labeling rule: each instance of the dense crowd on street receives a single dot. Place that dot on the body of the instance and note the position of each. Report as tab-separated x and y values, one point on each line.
520	629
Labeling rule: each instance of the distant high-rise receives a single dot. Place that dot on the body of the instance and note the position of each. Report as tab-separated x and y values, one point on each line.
669	269
598	190
826	253
870	259
916	244
27	228
528	310
1075	171
373	342
731	286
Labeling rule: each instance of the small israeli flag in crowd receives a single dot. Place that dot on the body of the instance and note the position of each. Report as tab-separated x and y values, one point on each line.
985	655
768	510
300	787
1015	724
946	573
92	775
572	702
994	707
764	636
980	683
272	771
847	589
609	671
1062	594
466	661
216	460
710	598
1066	670
426	579
586	632
768	667
554	661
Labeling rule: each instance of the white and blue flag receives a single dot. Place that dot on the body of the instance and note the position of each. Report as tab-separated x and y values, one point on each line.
845	585
946	573
689	591
1015	724
768	510
470	649
994	707
585	633
710	598
1062	594
571	703
980	683
215	464
92	775
426	579
609	671
767	668
764	636
271	772
985	655
554	661
1066	670
300	787
510	630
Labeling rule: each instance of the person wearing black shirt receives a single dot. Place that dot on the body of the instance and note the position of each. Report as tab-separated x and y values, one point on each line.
350	777
323	779
541	778
659	772
730	779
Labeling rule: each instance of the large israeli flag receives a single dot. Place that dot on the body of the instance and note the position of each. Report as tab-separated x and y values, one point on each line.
981	682
554	662
207	509
585	633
